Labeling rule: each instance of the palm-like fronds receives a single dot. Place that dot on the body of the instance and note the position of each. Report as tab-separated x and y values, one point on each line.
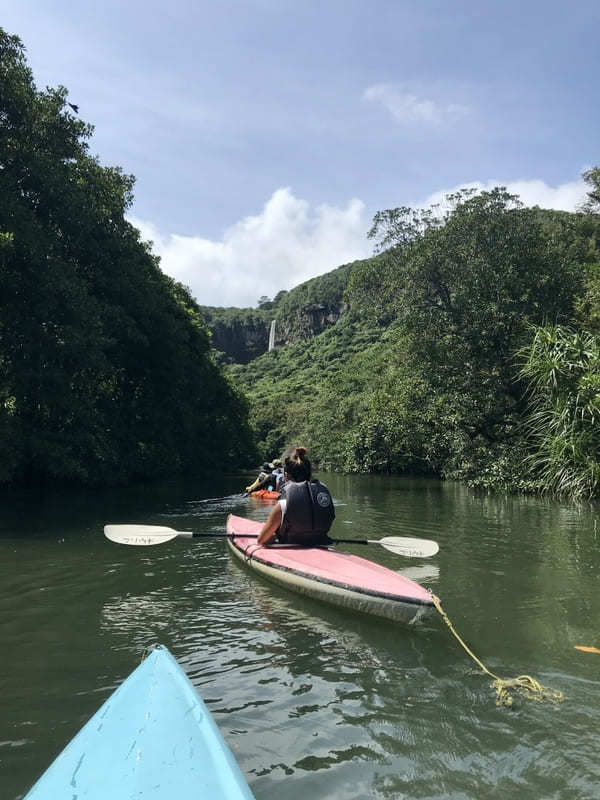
562	369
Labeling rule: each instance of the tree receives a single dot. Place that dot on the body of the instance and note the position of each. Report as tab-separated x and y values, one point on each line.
562	368
588	307
463	286
592	178
106	368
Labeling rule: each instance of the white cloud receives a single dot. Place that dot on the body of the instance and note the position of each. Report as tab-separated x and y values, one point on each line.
407	108
288	242
565	197
284	245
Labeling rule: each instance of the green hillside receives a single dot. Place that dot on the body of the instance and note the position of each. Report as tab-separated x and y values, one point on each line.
297	390
240	335
449	352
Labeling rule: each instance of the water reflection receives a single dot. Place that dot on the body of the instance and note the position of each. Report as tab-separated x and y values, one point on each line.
425	574
313	699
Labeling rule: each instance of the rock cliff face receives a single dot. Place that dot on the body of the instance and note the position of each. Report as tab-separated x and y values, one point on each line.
241	340
306	322
242	334
244	337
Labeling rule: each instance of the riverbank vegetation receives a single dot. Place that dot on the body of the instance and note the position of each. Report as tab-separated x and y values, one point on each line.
467	347
441	364
106	372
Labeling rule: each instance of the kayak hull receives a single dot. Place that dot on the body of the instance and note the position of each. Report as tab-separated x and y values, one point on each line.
153	738
265	494
324	574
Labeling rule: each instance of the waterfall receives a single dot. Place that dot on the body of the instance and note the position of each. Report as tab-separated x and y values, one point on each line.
272	336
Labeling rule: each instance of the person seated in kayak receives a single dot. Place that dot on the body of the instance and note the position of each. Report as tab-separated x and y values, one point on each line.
271	481
278	473
304	513
264	473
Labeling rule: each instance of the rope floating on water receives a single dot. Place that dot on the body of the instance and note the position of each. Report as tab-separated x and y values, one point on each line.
586	649
525	684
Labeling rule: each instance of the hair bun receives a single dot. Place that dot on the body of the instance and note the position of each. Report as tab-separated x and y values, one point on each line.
297	464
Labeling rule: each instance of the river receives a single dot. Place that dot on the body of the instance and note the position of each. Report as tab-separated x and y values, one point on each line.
314	701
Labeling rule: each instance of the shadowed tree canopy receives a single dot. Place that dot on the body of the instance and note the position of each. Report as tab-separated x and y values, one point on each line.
105	367
592	179
464	285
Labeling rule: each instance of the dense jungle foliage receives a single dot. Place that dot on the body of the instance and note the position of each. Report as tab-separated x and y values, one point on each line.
106	372
448	359
467	347
240	335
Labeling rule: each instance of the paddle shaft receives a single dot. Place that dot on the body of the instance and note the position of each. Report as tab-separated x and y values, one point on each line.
144	535
414	551
194	535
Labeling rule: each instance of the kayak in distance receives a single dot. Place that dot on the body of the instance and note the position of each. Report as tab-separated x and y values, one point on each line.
326	574
265	494
152	739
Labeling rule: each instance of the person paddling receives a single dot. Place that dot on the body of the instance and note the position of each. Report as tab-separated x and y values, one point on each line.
304	513
278	473
271	478
267	469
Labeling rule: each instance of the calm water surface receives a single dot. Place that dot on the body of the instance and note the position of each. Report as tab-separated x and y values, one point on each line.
314	702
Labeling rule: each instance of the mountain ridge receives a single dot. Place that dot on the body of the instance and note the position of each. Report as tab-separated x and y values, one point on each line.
240	335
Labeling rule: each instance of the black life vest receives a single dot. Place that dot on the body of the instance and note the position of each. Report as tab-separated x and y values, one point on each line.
309	513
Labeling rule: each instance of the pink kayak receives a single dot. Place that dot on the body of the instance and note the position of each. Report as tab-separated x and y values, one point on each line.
333	577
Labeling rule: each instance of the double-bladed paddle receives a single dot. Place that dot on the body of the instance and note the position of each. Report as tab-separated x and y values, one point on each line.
143	535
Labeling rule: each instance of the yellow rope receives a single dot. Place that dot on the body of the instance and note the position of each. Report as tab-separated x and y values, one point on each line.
527	685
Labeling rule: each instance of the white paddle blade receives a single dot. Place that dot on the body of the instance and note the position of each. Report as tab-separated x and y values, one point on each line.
142	535
410	548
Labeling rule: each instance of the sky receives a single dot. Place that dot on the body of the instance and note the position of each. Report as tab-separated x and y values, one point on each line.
265	134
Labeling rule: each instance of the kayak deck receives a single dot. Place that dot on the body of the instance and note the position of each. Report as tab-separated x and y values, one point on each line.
325	574
265	494
153	738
